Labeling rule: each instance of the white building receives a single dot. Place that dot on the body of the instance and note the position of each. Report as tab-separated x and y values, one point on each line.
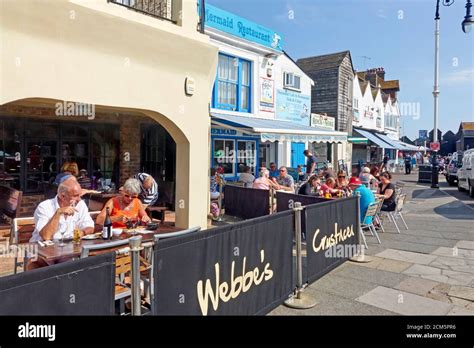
260	108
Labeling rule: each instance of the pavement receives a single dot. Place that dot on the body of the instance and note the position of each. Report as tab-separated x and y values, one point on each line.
425	270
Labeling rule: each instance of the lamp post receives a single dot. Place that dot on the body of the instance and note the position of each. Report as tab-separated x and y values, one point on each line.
466	27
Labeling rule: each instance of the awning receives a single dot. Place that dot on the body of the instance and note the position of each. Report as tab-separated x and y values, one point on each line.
277	130
373	138
395	143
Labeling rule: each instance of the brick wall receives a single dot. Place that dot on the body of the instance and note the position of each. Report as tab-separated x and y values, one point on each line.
29	204
129	147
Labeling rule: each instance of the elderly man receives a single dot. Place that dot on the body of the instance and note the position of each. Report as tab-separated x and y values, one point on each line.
61	214
285	181
149	189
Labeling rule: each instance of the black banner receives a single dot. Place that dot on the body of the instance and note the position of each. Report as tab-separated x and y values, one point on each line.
246	203
238	269
286	201
79	287
331	235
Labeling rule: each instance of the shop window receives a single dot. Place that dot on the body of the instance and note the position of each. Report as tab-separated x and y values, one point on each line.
246	155
232	89
224	155
10	153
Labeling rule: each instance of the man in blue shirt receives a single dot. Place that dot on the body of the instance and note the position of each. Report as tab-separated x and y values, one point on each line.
366	197
274	172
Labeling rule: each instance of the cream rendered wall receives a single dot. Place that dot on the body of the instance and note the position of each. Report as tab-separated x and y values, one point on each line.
100	53
367	104
357	94
379	110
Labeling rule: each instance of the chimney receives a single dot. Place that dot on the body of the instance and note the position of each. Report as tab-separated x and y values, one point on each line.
381	73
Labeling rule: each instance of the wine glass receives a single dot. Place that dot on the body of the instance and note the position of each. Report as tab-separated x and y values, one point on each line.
62	230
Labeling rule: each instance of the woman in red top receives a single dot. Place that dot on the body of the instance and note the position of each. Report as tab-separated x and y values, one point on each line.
125	207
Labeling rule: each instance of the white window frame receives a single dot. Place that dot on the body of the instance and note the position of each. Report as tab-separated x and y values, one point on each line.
289	81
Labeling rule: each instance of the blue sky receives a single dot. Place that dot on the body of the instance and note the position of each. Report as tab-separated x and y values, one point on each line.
396	34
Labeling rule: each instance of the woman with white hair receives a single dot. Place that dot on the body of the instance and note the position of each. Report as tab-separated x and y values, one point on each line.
125	207
264	182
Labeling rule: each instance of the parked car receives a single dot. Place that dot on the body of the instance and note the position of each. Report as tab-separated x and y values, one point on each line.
466	173
451	171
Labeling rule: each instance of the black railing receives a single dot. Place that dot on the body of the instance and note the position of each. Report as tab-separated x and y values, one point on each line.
162	9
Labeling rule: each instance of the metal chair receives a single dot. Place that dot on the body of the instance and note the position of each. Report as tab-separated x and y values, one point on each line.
393	215
379	200
371	212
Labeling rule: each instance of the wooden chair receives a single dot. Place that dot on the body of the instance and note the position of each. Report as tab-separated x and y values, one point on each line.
122	265
10	204
22	230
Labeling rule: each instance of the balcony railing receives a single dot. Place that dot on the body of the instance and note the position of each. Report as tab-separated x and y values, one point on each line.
157	8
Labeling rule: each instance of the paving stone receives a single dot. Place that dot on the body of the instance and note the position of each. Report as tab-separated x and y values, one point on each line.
371	275
456	264
463	292
459	302
385	264
454	252
407	256
331	304
344	287
465	244
415	285
460	311
440	275
403	302
428	240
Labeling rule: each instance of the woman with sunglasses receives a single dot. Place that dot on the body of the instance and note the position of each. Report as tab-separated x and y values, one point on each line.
125	207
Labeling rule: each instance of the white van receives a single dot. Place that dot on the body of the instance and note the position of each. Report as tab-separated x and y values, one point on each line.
466	173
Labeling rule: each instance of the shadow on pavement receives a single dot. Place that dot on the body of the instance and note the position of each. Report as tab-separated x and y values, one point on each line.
427	194
455	210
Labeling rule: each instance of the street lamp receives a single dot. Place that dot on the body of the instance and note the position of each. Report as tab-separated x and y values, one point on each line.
466	27
467	22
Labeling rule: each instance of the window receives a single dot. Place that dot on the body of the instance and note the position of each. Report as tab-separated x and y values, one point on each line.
224	155
246	155
232	90
356	103
32	151
291	80
391	121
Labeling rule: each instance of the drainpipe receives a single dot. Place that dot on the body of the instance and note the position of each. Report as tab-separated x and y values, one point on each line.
202	15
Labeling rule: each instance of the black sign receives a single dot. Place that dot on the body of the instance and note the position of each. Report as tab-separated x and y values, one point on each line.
79	287
286	201
331	235
239	269
246	203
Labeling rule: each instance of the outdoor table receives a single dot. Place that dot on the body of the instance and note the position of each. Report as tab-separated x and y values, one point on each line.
72	250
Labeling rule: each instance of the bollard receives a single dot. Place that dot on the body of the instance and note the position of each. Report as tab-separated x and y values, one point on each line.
360	256
135	248
299	300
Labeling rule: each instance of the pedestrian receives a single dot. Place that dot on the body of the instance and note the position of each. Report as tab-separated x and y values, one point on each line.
407	163
310	162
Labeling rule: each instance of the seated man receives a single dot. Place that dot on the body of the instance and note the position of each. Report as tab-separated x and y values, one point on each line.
61	214
149	189
273	170
285	181
366	197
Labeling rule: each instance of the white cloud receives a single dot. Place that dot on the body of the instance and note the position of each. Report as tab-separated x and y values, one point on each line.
460	77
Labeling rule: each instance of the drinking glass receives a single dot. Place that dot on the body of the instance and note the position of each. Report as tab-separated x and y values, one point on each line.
62	230
77	235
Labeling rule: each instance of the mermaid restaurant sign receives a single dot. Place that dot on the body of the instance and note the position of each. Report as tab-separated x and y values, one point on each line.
237	26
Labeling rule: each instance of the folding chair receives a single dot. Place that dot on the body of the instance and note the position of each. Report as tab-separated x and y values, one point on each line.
371	212
393	215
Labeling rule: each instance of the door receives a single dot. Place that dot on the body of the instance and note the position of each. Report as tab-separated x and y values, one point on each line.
297	156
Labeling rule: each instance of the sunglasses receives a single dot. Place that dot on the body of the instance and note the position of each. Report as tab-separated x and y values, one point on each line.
343	176
130	196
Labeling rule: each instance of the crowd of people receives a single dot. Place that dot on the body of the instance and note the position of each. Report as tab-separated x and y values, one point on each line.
325	183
